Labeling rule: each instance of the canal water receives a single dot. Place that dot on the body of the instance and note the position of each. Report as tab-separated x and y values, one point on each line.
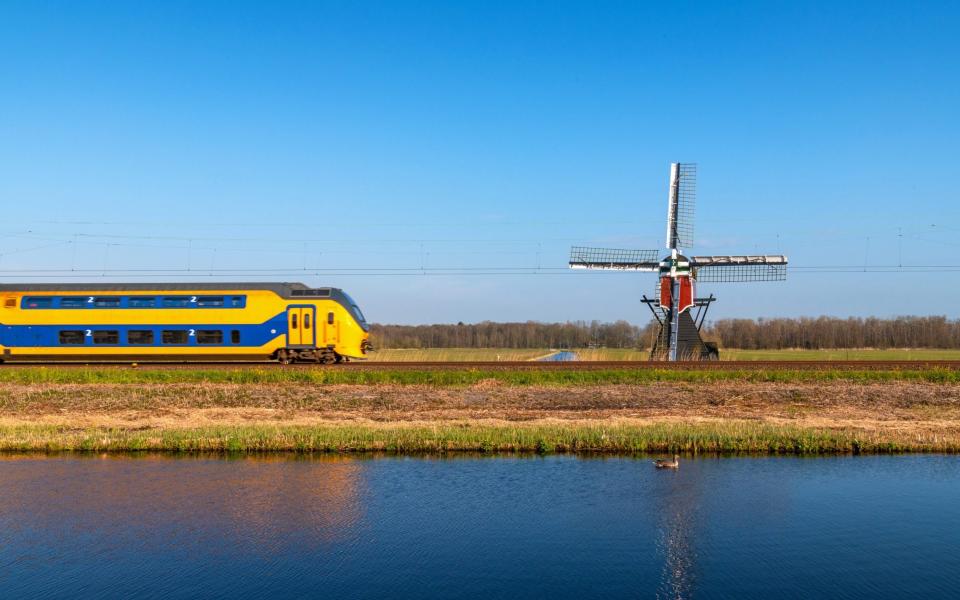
489	527
561	356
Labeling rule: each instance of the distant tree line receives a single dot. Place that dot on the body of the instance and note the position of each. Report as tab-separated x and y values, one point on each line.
748	334
532	334
831	332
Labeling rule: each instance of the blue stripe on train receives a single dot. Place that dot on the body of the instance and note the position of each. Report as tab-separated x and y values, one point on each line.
46	336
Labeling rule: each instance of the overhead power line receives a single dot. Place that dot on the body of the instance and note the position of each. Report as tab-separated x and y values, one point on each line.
404	271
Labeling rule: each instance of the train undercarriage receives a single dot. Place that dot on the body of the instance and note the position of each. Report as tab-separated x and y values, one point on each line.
323	356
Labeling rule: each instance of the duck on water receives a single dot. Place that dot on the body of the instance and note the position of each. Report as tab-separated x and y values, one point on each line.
662	463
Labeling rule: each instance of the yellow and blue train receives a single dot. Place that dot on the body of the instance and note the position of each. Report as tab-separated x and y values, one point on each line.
287	322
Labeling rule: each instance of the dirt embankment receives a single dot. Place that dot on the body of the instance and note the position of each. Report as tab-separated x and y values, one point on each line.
899	407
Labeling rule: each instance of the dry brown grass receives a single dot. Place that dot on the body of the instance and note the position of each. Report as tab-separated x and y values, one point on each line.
896	409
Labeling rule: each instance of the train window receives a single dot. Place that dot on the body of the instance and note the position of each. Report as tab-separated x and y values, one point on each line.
74	302
209	336
321	292
174	336
106	337
71	336
306	320
235	336
293	321
106	301
140	337
41	302
142	302
210	301
358	314
330	318
237	301
176	301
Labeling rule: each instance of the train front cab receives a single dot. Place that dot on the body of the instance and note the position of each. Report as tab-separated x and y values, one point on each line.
327	331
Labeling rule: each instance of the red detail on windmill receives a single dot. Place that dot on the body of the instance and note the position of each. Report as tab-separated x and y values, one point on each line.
665	283
686	293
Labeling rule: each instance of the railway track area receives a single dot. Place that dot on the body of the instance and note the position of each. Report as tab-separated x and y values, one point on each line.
879	365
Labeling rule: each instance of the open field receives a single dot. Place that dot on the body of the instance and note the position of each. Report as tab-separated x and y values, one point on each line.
843	354
456	354
500	354
602	354
106	409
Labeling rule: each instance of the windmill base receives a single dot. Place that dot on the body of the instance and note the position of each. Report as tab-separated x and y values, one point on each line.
690	346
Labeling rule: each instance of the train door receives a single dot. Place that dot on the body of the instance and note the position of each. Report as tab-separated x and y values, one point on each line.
301	326
331	329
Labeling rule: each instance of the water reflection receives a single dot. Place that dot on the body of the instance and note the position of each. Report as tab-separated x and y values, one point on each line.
678	515
285	526
255	502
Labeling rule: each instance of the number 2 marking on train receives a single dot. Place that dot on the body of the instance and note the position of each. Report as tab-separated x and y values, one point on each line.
90	300
88	332
193	299
193	332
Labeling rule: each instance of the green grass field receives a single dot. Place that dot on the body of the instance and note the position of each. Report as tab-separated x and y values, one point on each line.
512	354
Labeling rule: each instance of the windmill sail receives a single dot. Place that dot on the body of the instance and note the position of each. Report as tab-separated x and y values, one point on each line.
613	259
681	205
739	268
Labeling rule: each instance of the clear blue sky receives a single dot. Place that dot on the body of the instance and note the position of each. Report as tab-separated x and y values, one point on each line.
230	137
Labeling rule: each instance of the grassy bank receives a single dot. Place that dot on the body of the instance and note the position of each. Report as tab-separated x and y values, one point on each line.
609	410
718	437
459	377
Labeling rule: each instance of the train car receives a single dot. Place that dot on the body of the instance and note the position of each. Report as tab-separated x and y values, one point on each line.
286	322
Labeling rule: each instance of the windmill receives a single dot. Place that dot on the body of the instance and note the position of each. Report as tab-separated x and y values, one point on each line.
672	305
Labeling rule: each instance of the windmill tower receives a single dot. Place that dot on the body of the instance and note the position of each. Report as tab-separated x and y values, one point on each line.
679	337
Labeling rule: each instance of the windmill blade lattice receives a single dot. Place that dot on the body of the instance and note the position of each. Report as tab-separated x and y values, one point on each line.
682	205
614	259
724	269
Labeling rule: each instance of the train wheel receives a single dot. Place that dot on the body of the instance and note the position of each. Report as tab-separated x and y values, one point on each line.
283	357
